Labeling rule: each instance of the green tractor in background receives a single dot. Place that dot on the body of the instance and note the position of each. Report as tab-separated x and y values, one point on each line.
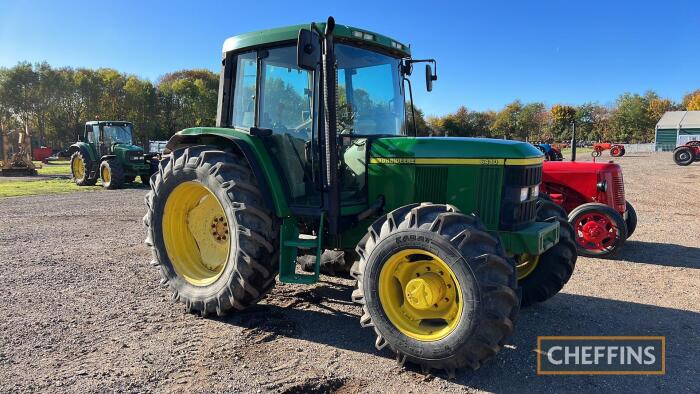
106	150
313	151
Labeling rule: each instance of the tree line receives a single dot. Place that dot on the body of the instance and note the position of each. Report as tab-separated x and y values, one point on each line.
55	103
631	119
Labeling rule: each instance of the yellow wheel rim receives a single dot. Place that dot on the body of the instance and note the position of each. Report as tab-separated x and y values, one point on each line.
106	175
526	265
196	233
78	168
420	294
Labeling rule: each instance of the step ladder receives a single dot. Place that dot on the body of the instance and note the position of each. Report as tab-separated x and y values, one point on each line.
290	243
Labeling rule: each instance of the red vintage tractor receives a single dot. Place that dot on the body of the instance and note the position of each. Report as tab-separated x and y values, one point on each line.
616	150
686	154
593	195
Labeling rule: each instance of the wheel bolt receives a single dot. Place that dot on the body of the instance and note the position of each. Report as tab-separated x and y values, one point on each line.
213	225
447	299
434	305
417	274
218	238
221	219
427	268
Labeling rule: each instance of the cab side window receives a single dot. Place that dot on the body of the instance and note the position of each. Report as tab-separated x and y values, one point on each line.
243	115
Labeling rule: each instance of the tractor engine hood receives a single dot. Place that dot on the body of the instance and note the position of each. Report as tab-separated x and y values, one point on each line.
126	147
452	150
580	167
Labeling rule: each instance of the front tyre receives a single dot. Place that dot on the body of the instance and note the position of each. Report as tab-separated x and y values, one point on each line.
600	231
80	169
683	155
112	174
214	240
541	277
437	288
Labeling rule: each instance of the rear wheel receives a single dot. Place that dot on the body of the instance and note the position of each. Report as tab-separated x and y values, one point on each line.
600	230
541	277
631	221
615	151
683	155
80	169
436	286
112	174
214	240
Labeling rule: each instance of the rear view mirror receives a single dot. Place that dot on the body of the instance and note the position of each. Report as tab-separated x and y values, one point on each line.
429	78
308	50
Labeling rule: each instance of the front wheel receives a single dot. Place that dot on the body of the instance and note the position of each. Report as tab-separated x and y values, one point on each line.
600	230
80	169
683	155
112	174
436	286
214	239
596	153
542	277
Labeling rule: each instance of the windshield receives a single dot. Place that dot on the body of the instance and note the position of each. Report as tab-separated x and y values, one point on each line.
117	134
370	97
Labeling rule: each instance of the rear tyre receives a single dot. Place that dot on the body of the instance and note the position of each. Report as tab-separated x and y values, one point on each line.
631	221
214	240
683	155
615	151
112	174
600	231
542	277
80	166
436	286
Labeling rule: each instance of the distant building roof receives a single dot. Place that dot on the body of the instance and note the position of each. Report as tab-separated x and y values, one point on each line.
679	120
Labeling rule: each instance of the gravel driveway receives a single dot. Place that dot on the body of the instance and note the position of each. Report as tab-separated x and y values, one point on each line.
82	310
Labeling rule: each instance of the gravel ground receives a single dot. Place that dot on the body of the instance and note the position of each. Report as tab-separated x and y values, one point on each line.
82	309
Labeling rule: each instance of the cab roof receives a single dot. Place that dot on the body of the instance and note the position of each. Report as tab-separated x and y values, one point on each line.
342	33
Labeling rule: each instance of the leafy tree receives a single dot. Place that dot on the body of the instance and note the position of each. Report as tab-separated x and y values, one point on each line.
691	101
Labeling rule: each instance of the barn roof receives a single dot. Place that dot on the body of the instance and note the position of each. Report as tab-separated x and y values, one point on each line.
679	120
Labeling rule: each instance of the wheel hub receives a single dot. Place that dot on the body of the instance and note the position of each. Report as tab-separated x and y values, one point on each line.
420	294
219	229
424	292
593	231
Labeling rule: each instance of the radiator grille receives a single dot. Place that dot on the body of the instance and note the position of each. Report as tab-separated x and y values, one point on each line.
489	187
618	189
431	184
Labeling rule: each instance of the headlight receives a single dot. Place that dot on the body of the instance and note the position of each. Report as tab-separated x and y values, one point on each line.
602	186
524	192
530	192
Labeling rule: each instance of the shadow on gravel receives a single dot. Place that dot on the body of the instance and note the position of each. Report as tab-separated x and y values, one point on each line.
514	369
669	255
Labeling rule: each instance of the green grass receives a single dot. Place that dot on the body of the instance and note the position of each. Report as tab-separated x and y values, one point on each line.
30	187
54	168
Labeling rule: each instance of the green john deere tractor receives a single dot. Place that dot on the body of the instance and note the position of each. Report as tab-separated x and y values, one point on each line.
106	151
314	151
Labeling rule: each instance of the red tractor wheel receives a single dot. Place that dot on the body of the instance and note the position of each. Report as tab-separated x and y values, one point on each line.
600	230
615	151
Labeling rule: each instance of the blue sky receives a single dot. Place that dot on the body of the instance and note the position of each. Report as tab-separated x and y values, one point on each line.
489	53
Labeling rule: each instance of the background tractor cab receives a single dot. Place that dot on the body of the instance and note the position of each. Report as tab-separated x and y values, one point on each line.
313	151
106	150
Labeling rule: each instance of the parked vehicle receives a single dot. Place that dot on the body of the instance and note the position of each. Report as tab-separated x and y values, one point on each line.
551	153
593	195
616	150
686	154
315	165
106	150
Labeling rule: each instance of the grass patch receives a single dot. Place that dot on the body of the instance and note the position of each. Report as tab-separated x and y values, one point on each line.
54	168
31	187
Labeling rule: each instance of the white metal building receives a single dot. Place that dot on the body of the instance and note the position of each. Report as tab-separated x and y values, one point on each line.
676	128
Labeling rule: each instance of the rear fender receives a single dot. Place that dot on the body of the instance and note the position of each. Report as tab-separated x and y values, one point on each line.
267	177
